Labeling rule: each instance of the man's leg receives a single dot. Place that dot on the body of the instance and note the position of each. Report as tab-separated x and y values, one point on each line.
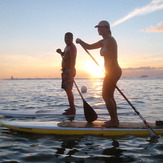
70	96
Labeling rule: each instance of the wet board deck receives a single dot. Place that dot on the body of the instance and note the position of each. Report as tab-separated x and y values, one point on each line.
80	128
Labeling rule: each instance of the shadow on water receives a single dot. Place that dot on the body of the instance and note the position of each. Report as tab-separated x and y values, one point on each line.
23	147
82	150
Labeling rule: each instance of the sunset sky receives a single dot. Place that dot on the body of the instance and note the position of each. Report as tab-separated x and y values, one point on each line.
32	30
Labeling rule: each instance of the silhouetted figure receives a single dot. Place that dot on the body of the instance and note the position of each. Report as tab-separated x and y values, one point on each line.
68	70
113	73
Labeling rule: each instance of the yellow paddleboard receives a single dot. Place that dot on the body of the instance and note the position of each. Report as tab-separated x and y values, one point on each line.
80	128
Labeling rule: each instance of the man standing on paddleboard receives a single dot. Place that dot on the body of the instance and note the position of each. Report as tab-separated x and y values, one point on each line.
113	72
68	70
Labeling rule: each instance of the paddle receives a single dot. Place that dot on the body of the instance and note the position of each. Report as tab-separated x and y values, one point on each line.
90	114
151	131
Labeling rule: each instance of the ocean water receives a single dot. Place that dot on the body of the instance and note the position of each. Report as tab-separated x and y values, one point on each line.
30	95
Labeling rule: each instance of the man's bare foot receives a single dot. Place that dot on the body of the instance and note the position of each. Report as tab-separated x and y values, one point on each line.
110	124
69	111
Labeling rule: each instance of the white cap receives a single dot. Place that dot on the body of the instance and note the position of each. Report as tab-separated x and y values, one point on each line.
103	23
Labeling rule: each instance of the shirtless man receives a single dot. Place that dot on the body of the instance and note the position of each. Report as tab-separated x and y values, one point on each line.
113	73
68	71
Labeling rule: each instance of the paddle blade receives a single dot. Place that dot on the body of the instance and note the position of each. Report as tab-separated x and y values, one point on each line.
90	114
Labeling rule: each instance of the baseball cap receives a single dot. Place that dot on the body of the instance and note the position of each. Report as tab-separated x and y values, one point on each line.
103	23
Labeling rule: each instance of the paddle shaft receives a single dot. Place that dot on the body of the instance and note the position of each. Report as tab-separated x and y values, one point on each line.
78	90
138	113
152	132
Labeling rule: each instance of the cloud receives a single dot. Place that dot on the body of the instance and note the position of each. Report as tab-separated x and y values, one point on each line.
143	72
143	68
151	7
158	28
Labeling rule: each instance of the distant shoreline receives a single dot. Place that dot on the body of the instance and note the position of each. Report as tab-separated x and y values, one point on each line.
141	77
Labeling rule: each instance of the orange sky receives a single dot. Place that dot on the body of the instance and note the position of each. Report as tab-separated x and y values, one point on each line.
36	67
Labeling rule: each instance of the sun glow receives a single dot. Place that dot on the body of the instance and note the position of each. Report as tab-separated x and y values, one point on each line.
93	69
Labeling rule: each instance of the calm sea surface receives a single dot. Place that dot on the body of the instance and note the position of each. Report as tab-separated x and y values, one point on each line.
146	94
